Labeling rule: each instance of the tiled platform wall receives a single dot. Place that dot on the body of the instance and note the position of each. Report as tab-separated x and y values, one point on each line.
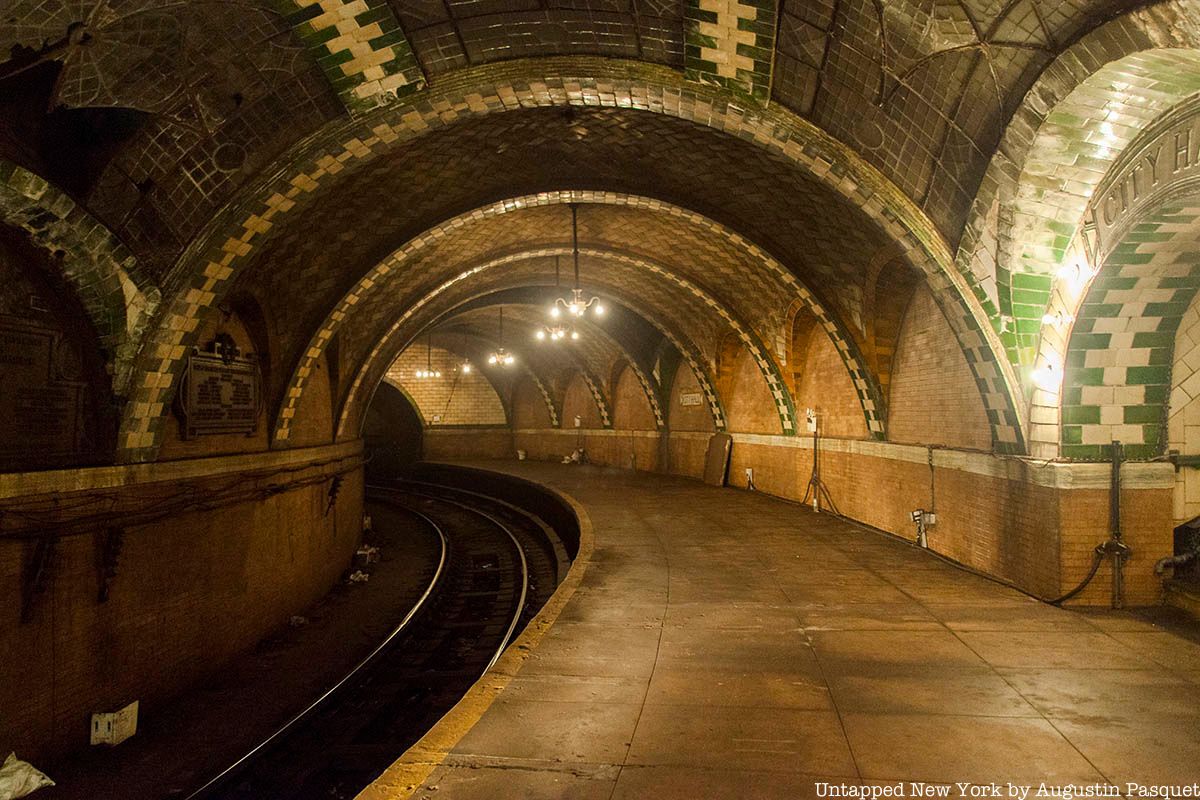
190	592
1032	525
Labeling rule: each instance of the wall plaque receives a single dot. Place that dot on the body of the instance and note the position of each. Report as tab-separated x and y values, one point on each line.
690	398
221	395
40	414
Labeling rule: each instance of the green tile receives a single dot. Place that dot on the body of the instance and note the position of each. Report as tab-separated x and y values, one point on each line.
1081	415
1136	415
1148	375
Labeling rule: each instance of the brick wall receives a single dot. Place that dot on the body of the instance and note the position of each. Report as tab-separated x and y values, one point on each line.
1032	525
690	427
190	592
631	409
529	407
456	398
578	402
461	443
825	386
748	403
934	399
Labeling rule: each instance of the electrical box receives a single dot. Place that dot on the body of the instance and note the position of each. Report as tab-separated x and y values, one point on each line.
115	727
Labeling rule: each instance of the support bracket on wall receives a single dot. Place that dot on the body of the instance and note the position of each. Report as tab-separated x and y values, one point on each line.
37	574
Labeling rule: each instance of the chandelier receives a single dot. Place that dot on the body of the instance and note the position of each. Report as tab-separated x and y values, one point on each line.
576	306
501	357
556	331
428	371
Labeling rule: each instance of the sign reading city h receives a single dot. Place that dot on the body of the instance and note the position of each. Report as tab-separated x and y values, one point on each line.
1168	160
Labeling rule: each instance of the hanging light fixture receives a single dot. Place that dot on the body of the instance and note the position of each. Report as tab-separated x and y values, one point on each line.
501	357
556	331
428	372
577	306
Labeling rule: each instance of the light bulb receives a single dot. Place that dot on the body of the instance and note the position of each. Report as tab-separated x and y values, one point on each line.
574	334
1058	318
1047	377
508	359
466	367
491	359
600	309
540	335
554	312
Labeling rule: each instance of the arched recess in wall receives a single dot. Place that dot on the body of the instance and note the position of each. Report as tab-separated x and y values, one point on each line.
1024	229
1158	173
582	400
1183	414
820	380
1118	383
631	408
744	393
889	289
933	398
345	147
532	407
57	407
110	287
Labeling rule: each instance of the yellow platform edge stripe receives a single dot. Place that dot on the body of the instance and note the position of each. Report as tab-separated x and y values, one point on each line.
408	773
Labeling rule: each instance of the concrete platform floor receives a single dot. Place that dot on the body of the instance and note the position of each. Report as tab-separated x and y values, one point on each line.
724	644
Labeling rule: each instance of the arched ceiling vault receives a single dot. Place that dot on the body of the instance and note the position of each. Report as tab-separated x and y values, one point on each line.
554	366
473	348
694	321
597	350
691	326
201	127
651	242
344	199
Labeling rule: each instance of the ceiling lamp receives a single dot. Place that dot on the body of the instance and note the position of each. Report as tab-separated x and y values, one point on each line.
556	331
465	368
501	357
577	306
428	372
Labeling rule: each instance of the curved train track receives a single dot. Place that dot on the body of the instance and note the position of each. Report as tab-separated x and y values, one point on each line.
498	566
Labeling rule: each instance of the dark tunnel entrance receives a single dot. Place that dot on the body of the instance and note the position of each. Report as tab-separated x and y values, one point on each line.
392	434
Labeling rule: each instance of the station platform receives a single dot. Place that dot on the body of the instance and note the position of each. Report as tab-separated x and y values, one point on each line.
715	643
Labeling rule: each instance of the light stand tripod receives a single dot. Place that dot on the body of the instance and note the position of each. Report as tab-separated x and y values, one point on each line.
816	487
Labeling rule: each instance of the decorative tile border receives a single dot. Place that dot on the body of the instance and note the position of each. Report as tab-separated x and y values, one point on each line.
360	46
105	276
731	43
541	387
651	395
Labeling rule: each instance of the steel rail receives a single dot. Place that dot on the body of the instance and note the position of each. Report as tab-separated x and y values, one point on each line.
295	721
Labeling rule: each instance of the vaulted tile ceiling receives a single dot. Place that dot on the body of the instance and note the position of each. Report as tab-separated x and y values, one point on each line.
349	163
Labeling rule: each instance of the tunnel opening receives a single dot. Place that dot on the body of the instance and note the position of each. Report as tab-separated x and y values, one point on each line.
393	435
